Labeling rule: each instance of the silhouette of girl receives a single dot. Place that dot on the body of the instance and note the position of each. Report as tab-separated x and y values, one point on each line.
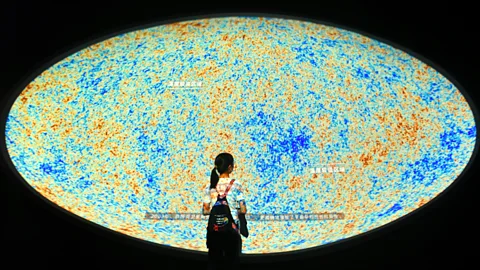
224	249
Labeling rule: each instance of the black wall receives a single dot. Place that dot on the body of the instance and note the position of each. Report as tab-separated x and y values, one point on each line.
33	32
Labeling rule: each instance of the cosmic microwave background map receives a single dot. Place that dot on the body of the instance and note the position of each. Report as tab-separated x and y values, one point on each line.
319	119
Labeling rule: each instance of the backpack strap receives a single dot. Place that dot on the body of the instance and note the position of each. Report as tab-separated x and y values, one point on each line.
228	188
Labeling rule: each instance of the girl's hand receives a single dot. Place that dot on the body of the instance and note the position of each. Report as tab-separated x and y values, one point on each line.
243	208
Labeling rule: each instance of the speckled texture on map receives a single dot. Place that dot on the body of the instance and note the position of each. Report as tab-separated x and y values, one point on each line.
108	135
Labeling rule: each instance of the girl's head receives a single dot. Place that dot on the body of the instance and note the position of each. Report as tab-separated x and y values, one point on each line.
223	164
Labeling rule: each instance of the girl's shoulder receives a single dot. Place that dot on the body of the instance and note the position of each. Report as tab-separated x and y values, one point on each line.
224	181
237	183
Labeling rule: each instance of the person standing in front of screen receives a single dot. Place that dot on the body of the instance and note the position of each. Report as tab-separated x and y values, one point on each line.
224	247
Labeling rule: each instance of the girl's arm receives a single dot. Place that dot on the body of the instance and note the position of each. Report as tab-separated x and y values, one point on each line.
206	202
242	207
206	209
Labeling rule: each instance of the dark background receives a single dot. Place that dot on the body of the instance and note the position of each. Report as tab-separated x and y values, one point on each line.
35	234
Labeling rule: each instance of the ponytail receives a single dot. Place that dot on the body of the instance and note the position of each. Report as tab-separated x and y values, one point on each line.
214	177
